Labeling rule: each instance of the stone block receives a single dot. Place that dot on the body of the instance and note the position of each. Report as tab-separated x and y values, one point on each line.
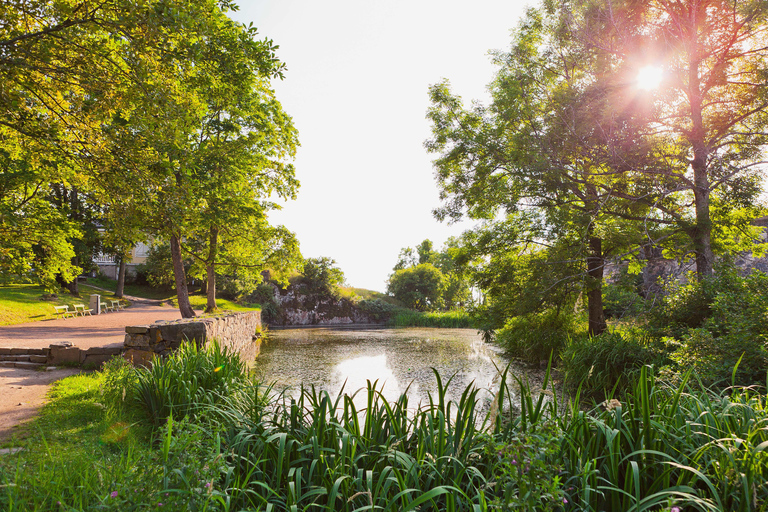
137	329
61	344
17	351
7	364
142	358
136	340
104	351
94	360
27	365
64	355
5	351
38	359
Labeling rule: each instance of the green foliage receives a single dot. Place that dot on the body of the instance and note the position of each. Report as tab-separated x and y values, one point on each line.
185	381
608	362
265	296
450	261
377	309
442	319
620	302
157	269
526	477
535	338
321	278
666	445
713	323
420	287
658	448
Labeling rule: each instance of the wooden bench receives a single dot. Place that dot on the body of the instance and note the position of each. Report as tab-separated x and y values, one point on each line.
103	307
81	310
63	311
116	305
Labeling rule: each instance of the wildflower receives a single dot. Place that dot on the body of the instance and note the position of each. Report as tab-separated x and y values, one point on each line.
113	494
207	484
514	462
611	404
159	503
674	509
218	368
565	501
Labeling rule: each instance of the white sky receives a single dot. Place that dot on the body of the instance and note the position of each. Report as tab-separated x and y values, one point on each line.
357	89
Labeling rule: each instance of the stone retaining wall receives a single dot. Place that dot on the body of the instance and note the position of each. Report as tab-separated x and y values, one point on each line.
239	332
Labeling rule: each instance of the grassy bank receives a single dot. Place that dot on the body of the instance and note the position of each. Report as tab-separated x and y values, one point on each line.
447	319
115	441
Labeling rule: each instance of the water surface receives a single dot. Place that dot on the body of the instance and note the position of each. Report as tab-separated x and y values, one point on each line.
399	358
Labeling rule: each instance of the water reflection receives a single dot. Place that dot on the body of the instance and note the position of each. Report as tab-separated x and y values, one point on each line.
400	359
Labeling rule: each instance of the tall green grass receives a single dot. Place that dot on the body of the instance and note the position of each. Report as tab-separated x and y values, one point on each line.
233	445
667	445
447	319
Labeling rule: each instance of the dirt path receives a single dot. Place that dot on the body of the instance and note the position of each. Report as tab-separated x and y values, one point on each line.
22	392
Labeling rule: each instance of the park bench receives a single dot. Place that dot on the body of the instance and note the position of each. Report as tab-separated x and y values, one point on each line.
116	306
63	311
81	310
103	307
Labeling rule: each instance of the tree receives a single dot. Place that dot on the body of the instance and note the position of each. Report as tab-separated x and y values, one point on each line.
710	107
321	278
547	156
420	287
450	261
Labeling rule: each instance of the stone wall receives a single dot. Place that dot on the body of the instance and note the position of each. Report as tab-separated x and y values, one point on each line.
296	308
239	332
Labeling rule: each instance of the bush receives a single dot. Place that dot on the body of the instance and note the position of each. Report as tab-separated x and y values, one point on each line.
187	381
264	295
606	362
533	338
456	319
715	322
620	301
377	309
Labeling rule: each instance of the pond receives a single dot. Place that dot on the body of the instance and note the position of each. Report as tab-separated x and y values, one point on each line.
399	358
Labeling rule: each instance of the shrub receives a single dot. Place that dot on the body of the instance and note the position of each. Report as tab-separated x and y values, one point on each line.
456	319
606	362
377	309
264	295
716	322
187	381
620	301
533	338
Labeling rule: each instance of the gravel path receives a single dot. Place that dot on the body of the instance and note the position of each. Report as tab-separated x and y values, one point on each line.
22	392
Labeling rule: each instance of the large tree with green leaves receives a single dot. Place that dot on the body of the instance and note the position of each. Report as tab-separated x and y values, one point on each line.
708	114
547	156
138	101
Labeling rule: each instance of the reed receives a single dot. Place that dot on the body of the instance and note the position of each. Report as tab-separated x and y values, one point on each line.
240	446
446	319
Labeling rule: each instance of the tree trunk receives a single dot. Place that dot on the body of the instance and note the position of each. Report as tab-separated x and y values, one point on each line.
211	271
72	286
181	279
120	278
702	232
595	265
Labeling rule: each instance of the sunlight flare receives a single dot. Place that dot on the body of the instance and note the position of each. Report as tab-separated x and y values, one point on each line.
649	77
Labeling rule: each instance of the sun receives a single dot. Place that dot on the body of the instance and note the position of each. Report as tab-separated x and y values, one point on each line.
649	77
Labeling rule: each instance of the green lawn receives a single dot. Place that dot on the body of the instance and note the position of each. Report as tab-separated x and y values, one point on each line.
21	303
198	301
